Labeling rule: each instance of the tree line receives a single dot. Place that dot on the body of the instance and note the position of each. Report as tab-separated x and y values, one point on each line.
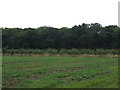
85	36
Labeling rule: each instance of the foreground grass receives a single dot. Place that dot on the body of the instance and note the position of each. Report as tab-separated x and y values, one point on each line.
59	72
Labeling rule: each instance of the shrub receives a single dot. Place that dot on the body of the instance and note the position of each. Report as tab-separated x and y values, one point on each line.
100	52
51	51
61	51
73	51
64	51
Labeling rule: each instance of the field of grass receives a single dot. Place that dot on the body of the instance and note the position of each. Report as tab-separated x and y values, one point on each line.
59	72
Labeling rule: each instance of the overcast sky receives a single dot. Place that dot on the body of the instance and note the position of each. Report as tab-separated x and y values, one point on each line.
57	13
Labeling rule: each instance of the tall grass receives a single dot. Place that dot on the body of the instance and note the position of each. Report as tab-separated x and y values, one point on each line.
61	51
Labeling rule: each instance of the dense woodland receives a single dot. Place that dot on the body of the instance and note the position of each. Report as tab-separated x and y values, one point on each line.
85	36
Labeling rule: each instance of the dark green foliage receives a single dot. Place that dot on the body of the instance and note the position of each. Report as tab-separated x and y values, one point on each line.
90	36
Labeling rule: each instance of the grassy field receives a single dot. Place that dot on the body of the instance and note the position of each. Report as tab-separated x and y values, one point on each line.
59	72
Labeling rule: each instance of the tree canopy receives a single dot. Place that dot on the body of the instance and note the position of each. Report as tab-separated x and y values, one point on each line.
90	36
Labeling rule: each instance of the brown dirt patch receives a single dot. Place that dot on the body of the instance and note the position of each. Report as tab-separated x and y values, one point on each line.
65	78
35	77
11	83
101	74
73	69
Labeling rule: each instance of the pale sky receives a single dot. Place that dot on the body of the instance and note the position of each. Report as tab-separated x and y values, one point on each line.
57	13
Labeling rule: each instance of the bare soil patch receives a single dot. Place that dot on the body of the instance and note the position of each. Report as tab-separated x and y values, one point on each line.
35	77
11	83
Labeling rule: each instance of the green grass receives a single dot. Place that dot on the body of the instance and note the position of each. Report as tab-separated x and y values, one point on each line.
59	72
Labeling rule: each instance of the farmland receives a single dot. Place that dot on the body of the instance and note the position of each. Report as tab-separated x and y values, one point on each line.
59	72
